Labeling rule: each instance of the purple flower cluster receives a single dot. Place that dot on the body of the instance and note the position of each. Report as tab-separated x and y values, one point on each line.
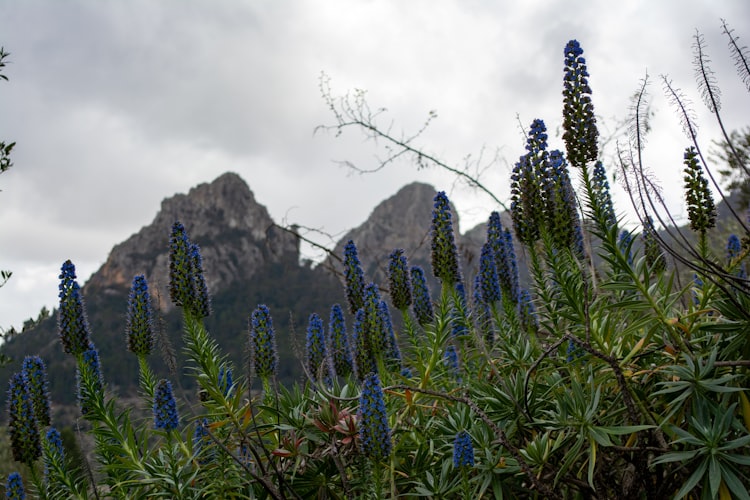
89	380
354	278
399	280
187	285
165	407
14	487
25	441
339	342
422	302
602	199
34	373
444	252
72	322
263	342
374	431
463	450
138	323
579	123
489	282
317	362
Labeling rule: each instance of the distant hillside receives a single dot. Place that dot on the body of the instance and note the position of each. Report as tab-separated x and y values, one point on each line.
247	261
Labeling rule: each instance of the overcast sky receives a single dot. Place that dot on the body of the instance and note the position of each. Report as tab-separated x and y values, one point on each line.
116	105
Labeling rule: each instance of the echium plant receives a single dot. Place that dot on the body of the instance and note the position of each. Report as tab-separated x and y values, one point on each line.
317	357
187	285
489	282
374	431
506	265
338	340
139	327
399	280
527	202
263	343
423	309
72	321
354	278
444	252
561	208
25	441
580	134
699	201
34	373
165	407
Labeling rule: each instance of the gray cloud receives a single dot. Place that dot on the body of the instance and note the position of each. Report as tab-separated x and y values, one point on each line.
116	105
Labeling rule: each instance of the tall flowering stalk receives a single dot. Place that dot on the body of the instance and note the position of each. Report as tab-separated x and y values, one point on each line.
489	282
317	362
339	343
601	197
90	382
187	285
165	407
463	450
399	280
506	265
354	278
579	123
422	303
374	431
25	441
139	329
527	199
72	322
14	487
482	313
391	354
34	373
263	343
373	329
364	357
700	202
563	221
444	251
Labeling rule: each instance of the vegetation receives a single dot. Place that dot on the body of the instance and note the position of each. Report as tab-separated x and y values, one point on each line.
598	381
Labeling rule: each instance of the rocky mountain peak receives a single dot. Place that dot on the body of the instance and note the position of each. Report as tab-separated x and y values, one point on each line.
236	235
401	221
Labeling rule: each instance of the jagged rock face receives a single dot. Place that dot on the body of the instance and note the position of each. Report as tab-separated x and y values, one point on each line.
401	221
236	235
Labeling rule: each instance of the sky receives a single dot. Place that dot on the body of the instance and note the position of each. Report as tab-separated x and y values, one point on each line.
117	105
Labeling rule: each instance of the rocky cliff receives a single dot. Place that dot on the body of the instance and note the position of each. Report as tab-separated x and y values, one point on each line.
402	221
236	234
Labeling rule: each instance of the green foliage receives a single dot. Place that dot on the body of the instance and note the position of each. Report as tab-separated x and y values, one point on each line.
615	381
734	153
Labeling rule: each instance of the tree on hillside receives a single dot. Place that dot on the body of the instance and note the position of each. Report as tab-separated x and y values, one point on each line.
735	155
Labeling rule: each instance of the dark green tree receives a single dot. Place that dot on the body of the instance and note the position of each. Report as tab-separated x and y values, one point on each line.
734	155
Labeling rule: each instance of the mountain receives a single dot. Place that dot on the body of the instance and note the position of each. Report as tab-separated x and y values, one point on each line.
247	259
236	235
403	221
